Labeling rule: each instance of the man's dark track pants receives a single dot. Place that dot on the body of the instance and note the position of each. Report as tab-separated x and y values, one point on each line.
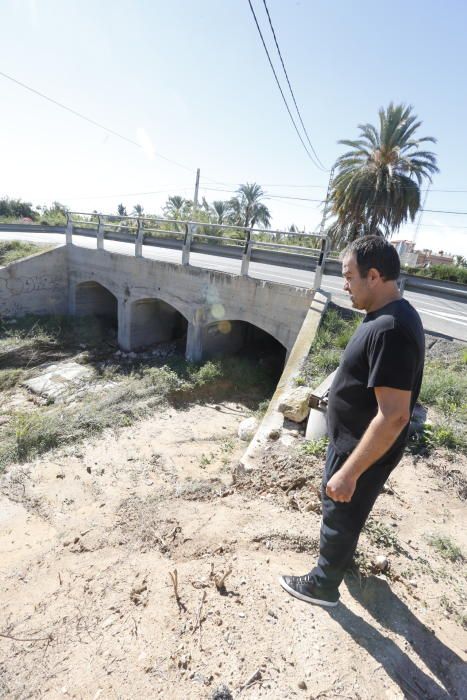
342	522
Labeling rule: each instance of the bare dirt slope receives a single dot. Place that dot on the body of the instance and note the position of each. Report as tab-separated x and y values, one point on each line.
90	535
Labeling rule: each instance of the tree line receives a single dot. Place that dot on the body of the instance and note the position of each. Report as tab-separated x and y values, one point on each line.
377	186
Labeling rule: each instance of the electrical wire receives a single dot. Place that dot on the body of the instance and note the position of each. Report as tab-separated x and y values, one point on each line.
91	121
290	86
281	91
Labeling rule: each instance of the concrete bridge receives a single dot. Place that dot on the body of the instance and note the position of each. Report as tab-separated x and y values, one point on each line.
246	279
153	301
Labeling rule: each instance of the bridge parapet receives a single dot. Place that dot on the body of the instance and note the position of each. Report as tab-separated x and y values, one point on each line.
248	245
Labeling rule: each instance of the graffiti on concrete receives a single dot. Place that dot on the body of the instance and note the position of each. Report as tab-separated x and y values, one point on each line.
13	287
25	285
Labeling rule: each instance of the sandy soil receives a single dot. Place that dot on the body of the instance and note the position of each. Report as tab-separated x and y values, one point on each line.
90	535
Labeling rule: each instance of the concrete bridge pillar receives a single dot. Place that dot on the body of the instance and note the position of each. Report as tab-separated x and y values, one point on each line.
124	324
194	340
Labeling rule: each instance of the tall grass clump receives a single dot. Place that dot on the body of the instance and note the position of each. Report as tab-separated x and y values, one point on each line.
336	329
15	250
134	392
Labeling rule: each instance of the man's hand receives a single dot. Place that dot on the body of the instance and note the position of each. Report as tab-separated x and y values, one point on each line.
341	487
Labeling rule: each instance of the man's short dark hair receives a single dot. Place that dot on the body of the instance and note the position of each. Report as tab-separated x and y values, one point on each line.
377	252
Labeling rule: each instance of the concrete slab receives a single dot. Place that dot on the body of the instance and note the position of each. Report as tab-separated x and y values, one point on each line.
57	379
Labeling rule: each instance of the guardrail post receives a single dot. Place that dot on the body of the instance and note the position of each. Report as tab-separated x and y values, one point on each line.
402	281
69	230
187	245
246	254
320	266
139	240
100	233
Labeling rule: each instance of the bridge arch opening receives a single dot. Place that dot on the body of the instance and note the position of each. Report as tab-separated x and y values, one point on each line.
155	321
93	299
226	337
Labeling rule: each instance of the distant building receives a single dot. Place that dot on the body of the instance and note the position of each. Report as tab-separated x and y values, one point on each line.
426	257
420	258
407	254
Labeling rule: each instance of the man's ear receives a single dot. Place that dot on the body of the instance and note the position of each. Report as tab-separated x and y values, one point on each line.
374	276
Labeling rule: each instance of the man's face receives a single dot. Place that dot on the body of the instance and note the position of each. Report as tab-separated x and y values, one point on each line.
359	288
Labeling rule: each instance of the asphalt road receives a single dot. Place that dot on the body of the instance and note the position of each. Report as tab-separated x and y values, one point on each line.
445	316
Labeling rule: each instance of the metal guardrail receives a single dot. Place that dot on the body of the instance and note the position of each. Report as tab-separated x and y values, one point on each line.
305	251
184	236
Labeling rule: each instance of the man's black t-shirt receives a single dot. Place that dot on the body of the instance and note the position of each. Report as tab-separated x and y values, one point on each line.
387	349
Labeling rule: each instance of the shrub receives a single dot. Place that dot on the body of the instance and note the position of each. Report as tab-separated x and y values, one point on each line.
450	273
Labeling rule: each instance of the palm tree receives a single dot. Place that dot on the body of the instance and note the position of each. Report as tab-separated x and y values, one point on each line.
177	207
121	209
377	186
220	210
138	210
247	209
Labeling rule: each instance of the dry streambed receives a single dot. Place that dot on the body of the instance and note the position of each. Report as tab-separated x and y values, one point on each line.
135	565
142	561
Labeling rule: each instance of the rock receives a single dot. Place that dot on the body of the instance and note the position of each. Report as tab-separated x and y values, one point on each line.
222	692
57	379
381	563
417	420
294	404
316	427
302	685
274	434
247	428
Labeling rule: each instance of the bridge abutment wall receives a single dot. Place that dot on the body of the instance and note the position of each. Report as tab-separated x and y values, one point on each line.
37	284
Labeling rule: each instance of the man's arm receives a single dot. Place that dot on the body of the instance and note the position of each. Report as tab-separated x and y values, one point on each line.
393	415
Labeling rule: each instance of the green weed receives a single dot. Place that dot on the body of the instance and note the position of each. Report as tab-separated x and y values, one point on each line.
446	547
381	535
315	448
431	436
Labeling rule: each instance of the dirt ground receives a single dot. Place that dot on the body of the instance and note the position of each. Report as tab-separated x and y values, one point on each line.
95	538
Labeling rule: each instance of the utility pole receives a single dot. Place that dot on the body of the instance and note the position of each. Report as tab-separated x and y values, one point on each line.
190	228
195	198
324	242
326	203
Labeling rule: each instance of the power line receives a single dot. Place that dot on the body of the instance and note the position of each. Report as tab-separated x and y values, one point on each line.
280	89
89	120
130	194
321	201
323	187
290	86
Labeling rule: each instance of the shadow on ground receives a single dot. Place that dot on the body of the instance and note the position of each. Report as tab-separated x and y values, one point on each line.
391	613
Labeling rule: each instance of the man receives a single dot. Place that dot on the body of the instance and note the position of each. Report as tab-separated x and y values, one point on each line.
369	408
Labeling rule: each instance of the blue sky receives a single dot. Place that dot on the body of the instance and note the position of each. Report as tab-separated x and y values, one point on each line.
190	80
